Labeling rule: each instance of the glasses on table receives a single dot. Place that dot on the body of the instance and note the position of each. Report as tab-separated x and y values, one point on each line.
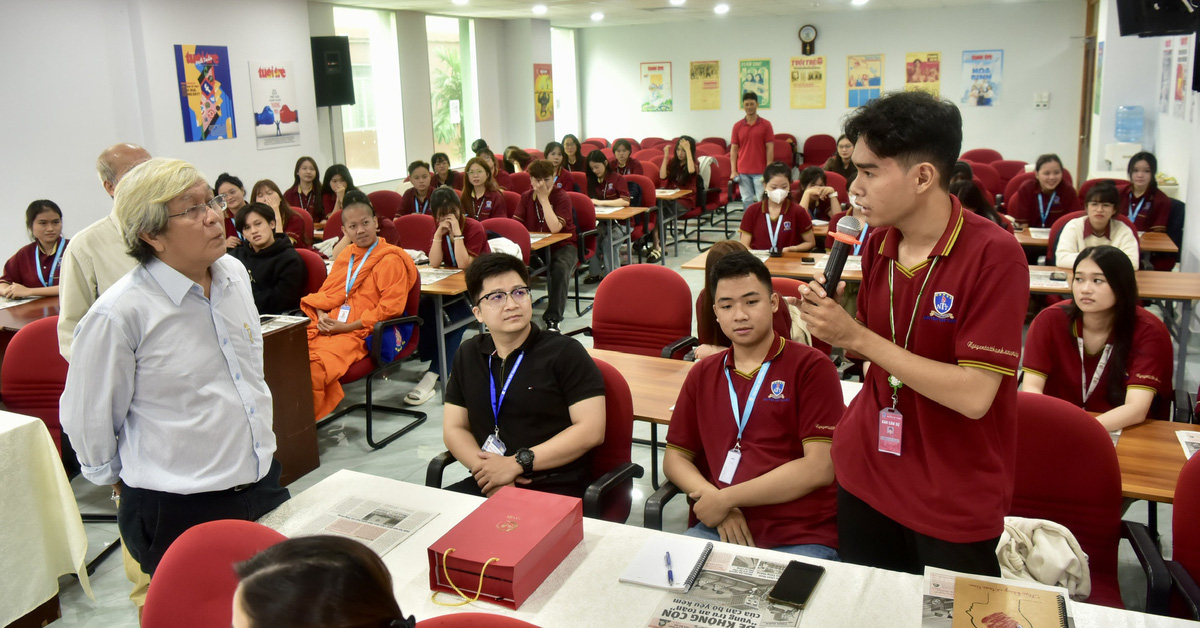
497	299
196	212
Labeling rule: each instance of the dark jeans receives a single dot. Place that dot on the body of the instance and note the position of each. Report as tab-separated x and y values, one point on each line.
562	265
427	343
151	520
868	537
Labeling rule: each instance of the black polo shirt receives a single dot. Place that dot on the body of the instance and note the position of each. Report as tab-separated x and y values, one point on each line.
555	374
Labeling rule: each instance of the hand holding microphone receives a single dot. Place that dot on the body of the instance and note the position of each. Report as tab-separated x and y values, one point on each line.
820	310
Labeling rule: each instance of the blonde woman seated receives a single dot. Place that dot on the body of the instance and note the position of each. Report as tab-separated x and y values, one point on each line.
1097	227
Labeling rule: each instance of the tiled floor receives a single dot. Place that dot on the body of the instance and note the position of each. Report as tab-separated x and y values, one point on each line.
342	446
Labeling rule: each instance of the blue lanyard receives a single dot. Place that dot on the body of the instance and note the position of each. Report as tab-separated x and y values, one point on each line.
743	417
1044	210
862	238
420	207
450	247
58	249
351	278
499	401
774	235
1133	213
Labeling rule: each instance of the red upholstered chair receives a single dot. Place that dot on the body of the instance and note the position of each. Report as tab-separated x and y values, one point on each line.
512	200
416	231
788	287
709	150
838	182
651	143
194	584
981	155
535	153
520	183
785	152
586	148
817	150
608	153
586	238
474	620
513	230
1087	185
598	141
386	203
719	141
634	145
1015	184
622	320
1057	227
333	226
1007	168
651	168
580	179
308	222
647	154
713	198
644	224
989	177
33	374
1048	485
316	270
1185	558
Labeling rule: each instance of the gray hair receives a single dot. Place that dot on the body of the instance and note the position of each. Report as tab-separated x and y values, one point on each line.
141	200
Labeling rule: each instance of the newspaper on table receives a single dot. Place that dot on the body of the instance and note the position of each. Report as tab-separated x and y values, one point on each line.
1115	435
1190	442
6	303
853	262
604	210
271	322
761	255
378	526
537	237
731	592
1042	279
434	275
937	590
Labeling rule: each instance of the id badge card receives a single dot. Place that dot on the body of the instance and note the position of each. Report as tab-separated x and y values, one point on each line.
891	427
731	464
494	445
343	314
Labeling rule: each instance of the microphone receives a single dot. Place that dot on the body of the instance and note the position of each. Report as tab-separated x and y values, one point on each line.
848	230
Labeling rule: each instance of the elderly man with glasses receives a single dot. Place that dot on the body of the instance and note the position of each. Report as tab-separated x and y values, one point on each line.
523	407
165	395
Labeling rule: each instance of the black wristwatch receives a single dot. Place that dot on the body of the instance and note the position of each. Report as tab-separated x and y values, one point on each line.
524	457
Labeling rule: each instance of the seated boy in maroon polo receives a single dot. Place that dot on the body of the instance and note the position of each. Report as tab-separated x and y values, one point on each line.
750	435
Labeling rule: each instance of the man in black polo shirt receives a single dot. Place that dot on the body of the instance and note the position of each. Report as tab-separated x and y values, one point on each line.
523	407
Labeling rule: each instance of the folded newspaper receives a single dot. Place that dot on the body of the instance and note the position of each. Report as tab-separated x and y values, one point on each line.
378	526
731	592
434	275
853	262
1190	441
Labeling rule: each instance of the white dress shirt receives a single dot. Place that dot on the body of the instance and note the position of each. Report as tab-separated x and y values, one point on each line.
96	259
165	390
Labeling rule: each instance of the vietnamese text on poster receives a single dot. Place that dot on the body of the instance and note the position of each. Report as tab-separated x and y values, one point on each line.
276	112
543	93
1183	76
205	93
808	82
754	75
923	72
656	86
864	79
705	88
982	75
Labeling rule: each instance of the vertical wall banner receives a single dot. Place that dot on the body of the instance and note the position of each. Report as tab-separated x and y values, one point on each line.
864	79
1166	79
982	74
923	72
205	93
808	82
543	93
656	86
705	88
1096	79
1183	76
276	113
754	75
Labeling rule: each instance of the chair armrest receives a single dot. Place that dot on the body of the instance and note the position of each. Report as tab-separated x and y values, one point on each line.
381	326
1158	579
1186	587
654	505
732	185
702	195
670	350
433	473
605	484
587	331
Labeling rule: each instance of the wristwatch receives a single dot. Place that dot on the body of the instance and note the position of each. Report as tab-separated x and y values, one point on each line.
524	457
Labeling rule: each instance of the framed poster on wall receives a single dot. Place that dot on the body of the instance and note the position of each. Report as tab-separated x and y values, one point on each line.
543	93
705	88
982	76
205	93
923	72
864	79
276	114
656	86
754	75
808	82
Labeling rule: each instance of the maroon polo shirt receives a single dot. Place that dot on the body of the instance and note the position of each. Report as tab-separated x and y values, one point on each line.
308	202
455	180
613	187
1154	208
22	267
475	239
529	213
632	166
791	409
953	479
490	205
410	204
503	179
1052	351
689	183
751	140
795	224
1024	205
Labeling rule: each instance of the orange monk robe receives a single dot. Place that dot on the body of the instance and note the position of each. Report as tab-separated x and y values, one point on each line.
380	292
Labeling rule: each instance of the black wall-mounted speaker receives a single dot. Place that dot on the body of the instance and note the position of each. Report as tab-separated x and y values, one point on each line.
332	75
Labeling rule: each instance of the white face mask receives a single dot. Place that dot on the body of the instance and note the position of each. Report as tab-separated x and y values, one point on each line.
777	195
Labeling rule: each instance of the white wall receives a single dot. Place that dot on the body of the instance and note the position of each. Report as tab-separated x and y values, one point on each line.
1043	51
1124	80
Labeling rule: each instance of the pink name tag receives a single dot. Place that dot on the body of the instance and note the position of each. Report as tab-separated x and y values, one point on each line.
891	426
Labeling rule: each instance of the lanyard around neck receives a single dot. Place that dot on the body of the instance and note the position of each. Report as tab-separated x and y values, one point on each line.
1089	388
773	234
1044	210
1133	213
37	262
420	207
742	416
450	247
498	401
351	278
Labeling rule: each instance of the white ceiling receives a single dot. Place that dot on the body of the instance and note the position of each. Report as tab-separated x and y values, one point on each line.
577	13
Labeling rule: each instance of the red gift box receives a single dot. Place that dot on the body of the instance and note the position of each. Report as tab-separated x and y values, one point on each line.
515	538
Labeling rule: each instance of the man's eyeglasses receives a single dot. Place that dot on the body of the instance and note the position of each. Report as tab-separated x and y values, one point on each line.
196	212
497	299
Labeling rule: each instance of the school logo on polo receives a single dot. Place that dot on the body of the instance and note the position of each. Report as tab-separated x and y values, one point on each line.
787	225
776	389
942	302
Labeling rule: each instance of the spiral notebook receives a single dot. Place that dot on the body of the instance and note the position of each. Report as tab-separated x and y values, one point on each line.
977	602
648	567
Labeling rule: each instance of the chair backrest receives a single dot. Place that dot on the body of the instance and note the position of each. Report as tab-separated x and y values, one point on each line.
520	183
1014	184
647	154
818	149
785	152
535	153
789	138
598	141
585	220
641	309
513	230
981	155
634	145
195	582
650	170
644	182
386	203
618	441
719	141
580	179
653	142
709	150
316	270
1007	169
838	182
586	148
1057	227
512	200
608	153
33	373
416	231
1048	484
1185	532
474	620
333	226
308	222
1087	185
989	177
788	287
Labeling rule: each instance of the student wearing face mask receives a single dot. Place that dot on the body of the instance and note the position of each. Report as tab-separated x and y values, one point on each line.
776	223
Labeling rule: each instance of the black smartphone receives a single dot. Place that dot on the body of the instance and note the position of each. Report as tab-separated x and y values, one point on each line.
1058	276
808	260
796	584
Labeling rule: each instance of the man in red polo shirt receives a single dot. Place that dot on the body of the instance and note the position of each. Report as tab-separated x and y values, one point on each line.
547	209
751	149
750	434
925	454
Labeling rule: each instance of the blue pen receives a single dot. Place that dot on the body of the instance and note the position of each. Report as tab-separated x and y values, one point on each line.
670	574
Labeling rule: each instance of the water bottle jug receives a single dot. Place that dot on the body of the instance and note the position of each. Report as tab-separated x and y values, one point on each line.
1130	124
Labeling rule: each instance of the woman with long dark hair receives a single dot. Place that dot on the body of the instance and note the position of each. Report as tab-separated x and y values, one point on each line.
840	161
442	174
1044	199
305	192
971	197
33	270
556	155
337	182
676	172
606	189
481	197
572	159
286	221
1146	206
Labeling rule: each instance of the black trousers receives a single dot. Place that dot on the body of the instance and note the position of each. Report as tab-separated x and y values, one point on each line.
151	520
868	537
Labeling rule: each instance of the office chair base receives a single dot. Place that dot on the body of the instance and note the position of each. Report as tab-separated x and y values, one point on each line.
369	409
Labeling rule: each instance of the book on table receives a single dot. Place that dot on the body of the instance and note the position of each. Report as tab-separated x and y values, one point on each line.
959	600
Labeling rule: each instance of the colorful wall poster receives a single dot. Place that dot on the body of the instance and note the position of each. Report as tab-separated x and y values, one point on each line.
656	86
543	93
276	110
808	82
923	72
205	93
982	74
1096	79
1182	76
705	88
864	79
754	75
1164	91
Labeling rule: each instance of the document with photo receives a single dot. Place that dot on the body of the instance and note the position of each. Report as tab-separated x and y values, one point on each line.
378	526
731	591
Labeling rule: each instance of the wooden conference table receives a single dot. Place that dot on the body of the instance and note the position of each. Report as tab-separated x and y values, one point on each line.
584	589
1151	241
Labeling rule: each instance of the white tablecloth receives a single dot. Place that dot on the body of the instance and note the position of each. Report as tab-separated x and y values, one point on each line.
584	589
41	533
